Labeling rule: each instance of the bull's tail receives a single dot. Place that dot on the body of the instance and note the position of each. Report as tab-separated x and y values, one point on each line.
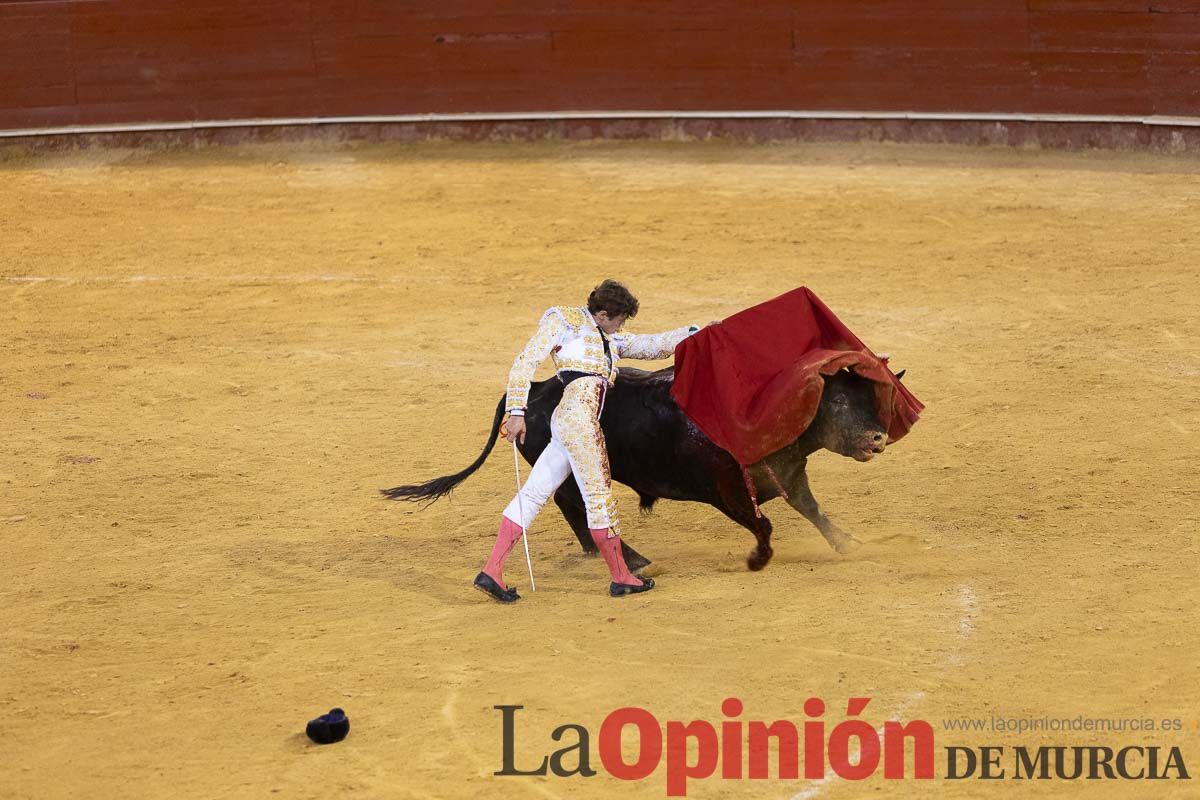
440	487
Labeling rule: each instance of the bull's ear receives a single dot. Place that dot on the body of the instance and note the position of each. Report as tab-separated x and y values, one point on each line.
900	374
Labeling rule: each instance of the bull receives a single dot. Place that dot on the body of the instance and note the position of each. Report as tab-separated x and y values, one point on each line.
658	452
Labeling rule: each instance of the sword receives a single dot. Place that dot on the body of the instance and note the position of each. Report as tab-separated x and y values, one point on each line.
521	511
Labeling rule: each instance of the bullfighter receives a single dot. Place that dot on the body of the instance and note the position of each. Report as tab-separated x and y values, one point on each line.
584	344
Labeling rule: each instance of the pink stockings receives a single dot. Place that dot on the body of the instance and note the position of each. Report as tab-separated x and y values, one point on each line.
506	537
510	532
611	550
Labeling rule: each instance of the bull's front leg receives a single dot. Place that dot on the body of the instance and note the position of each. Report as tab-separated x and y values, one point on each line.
733	501
801	498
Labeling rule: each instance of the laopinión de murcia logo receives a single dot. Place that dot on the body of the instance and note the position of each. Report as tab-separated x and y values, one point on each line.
853	749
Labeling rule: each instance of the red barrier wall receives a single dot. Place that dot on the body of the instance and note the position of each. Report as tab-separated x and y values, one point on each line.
118	61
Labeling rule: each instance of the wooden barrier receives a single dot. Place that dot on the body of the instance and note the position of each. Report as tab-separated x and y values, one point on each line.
75	63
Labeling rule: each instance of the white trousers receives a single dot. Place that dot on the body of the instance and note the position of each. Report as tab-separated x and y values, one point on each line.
576	447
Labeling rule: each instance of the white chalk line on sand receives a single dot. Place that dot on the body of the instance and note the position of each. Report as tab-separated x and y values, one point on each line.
968	606
1178	427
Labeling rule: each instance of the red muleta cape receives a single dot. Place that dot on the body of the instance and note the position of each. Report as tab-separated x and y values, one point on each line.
753	383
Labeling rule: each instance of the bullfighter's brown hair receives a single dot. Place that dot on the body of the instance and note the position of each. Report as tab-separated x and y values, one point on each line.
614	298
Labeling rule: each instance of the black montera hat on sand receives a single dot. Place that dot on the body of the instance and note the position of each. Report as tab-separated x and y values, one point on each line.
329	728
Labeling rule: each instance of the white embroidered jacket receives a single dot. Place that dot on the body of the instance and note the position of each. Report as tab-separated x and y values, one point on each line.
572	337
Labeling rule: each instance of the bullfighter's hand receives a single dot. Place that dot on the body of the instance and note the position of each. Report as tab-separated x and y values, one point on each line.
515	429
713	322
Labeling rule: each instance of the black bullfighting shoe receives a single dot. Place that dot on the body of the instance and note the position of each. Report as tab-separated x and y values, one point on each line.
622	589
487	584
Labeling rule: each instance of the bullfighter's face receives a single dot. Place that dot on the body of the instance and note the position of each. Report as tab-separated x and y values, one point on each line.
609	325
846	420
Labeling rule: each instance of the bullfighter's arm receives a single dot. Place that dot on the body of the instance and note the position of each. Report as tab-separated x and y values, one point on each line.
650	345
548	335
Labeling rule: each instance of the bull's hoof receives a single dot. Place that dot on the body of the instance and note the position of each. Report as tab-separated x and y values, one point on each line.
633	559
847	545
621	589
651	571
759	559
636	562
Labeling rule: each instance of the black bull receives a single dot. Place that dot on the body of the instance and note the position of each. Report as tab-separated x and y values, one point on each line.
658	452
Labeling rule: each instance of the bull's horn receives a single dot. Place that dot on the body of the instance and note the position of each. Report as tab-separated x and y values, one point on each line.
900	374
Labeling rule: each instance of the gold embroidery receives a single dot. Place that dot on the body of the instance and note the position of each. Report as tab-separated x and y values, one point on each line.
581	365
572	316
576	423
550	330
649	346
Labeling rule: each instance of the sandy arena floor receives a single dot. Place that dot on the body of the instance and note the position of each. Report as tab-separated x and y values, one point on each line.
213	359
